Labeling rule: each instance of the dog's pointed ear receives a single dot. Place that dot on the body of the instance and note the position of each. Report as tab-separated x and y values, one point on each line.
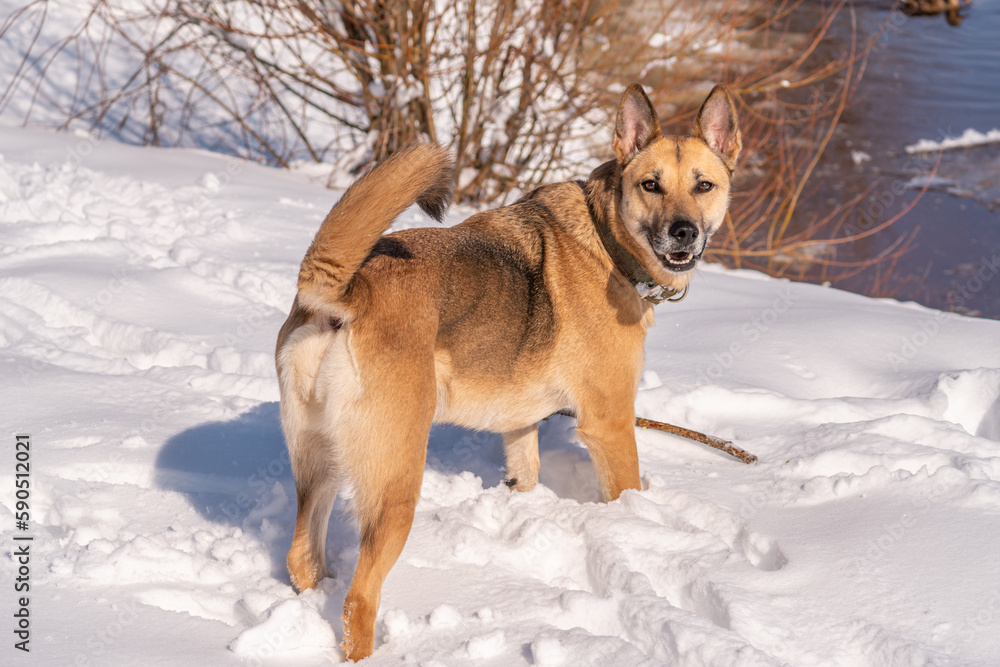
636	126
716	124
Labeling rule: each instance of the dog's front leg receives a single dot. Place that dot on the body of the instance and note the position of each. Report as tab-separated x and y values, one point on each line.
610	437
521	449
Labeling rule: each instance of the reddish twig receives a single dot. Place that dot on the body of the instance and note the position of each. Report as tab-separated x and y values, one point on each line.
722	445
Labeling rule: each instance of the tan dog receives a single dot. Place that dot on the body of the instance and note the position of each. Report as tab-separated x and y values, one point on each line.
493	324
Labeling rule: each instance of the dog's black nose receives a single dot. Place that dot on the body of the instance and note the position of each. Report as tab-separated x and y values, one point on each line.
684	231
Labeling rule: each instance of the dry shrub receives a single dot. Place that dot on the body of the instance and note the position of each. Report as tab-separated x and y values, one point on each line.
524	91
504	81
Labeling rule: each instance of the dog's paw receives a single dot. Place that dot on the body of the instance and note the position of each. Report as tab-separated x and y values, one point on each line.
520	484
359	628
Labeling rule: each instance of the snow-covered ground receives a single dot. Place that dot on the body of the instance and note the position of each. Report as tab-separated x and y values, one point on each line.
141	291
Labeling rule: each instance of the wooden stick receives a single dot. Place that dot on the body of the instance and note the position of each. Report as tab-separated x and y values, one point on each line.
722	445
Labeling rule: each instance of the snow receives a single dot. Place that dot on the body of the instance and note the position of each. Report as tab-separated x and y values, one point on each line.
971	137
860	157
141	291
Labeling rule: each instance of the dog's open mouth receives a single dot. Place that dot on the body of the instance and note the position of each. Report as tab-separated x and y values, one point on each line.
678	261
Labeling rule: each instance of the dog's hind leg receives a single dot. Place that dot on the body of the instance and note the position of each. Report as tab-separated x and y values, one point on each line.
383	534
386	464
302	347
521	450
316	482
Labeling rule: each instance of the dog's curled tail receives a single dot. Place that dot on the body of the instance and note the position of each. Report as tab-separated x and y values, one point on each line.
420	174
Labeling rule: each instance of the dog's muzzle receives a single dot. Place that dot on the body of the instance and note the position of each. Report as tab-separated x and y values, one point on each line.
681	247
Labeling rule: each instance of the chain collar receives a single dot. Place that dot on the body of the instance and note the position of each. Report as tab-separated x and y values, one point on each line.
657	294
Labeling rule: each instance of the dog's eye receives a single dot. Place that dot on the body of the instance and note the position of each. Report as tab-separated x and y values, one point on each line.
650	186
705	186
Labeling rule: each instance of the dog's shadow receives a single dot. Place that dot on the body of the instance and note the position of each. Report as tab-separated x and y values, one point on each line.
238	473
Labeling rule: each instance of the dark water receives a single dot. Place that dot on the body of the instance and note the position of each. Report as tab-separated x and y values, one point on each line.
925	79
